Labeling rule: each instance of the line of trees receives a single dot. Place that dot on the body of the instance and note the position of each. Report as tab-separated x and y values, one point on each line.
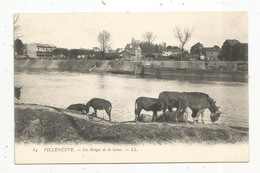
235	52
228	52
83	53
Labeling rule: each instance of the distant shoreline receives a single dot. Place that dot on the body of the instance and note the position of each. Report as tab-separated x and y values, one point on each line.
187	70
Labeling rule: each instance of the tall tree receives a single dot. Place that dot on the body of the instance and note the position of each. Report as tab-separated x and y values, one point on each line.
183	36
18	47
149	37
197	48
104	39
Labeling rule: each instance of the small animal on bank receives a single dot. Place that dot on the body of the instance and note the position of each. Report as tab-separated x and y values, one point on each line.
78	107
17	92
148	104
99	104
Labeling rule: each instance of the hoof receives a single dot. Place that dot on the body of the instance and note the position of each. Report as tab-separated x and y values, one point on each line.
203	122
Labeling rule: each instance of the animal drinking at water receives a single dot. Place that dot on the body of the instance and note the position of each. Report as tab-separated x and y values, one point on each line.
99	104
77	107
198	102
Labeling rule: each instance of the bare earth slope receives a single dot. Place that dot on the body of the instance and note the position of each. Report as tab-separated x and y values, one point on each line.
45	124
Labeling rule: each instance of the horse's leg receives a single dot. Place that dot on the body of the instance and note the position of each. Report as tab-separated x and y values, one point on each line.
194	115
95	112
170	108
184	117
137	114
154	116
198	115
164	110
202	116
177	114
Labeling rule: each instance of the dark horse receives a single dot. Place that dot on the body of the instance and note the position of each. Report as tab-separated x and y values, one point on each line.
198	102
17	92
99	104
148	104
170	100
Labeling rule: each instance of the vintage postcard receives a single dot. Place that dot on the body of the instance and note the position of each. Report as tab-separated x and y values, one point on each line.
137	87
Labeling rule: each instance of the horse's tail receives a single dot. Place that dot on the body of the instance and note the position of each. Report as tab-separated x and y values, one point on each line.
110	109
136	110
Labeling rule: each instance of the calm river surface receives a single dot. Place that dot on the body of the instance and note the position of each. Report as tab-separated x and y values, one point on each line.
60	89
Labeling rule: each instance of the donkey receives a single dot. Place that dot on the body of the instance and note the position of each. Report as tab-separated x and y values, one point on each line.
99	104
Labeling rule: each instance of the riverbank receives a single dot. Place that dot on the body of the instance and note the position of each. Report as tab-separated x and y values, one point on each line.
216	70
46	124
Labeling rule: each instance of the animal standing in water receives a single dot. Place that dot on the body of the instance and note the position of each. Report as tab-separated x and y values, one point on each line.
99	104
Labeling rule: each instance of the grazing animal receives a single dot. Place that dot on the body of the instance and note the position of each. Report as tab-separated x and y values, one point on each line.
17	92
77	107
198	102
170	100
148	104
99	104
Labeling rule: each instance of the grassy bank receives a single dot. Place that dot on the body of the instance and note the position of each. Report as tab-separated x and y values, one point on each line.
43	124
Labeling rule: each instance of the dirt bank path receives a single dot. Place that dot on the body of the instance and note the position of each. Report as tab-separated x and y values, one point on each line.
39	123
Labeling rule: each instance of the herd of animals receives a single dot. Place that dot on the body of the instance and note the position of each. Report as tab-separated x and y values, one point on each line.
197	102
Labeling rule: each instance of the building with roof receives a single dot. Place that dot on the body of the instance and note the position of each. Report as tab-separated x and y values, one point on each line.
132	51
39	50
96	49
231	42
171	51
212	53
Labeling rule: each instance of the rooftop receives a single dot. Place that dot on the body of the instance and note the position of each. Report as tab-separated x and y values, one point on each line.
232	41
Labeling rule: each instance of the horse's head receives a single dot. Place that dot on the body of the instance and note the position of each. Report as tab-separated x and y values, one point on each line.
215	113
86	108
215	116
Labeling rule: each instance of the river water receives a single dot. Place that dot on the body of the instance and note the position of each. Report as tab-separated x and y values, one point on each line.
60	89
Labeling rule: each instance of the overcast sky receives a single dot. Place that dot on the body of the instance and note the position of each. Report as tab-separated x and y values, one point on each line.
80	30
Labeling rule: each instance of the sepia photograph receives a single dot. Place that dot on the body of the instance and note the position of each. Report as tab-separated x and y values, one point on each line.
131	87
